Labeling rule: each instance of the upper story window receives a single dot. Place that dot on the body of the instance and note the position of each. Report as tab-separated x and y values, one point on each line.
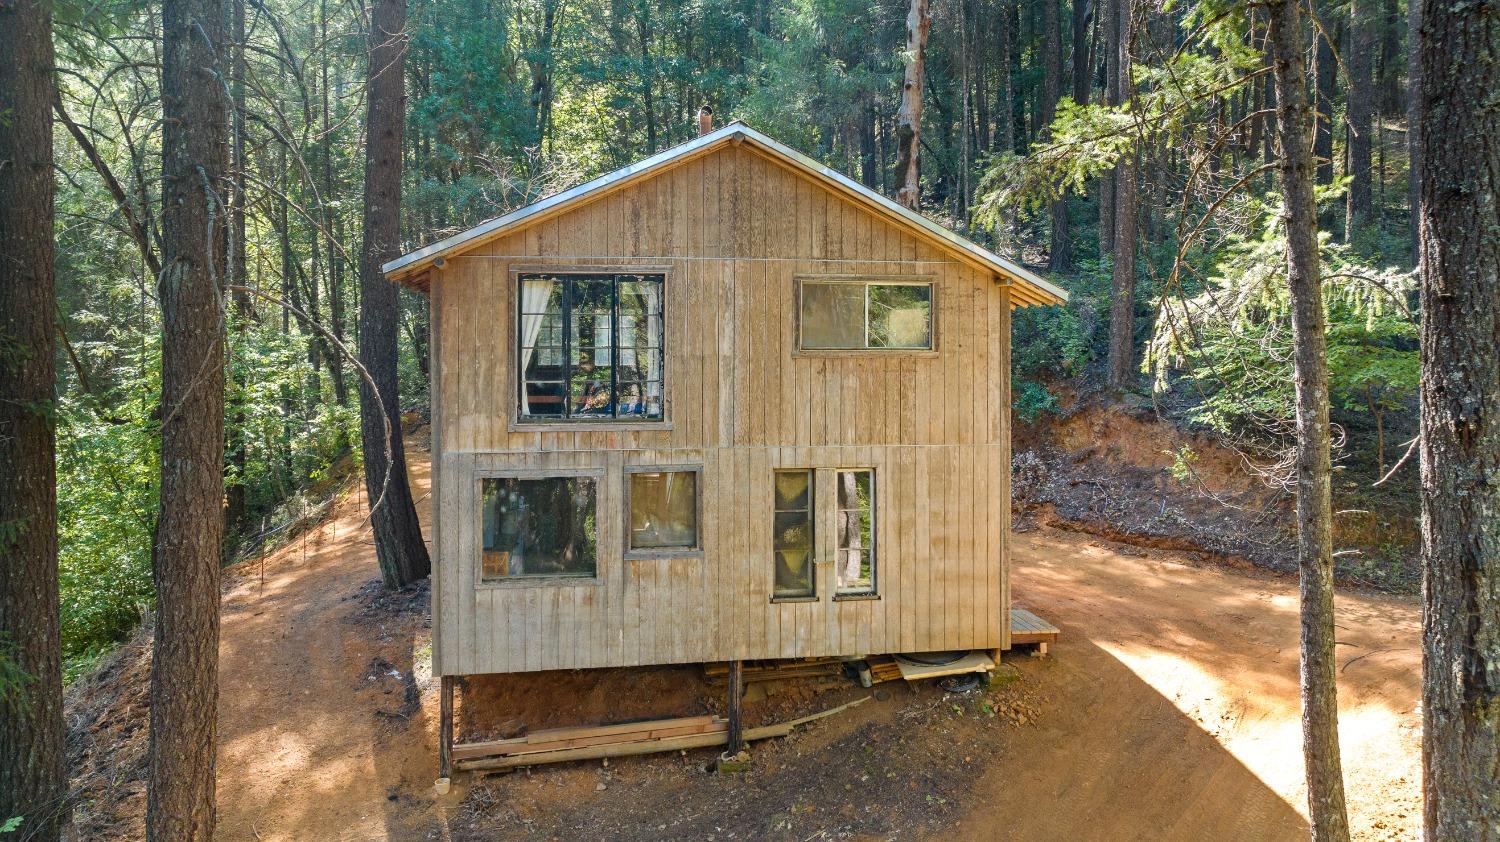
590	347
858	315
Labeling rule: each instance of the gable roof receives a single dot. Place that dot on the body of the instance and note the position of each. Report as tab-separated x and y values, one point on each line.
1028	288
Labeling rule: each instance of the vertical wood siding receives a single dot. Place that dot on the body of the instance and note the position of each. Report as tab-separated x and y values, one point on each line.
732	230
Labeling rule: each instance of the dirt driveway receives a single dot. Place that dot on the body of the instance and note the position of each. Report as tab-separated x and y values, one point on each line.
1167	711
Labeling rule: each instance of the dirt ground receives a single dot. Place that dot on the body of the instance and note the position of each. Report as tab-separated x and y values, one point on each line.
1168	710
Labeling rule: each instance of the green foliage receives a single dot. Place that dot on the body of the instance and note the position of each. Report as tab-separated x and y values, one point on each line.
107	474
1029	399
1183	460
1232	342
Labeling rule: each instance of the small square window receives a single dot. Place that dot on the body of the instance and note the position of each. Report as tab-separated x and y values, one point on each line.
663	510
544	527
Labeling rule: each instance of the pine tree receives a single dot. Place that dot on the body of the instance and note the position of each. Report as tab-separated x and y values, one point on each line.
399	548
33	780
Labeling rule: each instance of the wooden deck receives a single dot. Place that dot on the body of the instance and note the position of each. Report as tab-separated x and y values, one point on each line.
1027	628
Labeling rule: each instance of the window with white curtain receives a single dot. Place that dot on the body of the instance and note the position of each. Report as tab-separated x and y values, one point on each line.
590	347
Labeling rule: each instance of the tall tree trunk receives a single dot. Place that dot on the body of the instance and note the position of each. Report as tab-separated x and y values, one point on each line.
1388	81
1082	62
1109	17
1320	729
398	536
234	494
1413	125
1121	360
1460	269
909	118
1005	100
1325	79
33	779
189	530
1060	252
1360	107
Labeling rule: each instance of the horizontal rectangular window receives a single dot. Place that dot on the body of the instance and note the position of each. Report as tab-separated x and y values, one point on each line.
865	315
590	347
856	526
539	527
792	534
663	510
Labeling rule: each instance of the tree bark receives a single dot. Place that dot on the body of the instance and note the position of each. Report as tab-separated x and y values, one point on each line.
1059	255
1082	62
1121	359
33	778
1460	268
1325	80
909	118
189	531
398	536
1414	125
1360	113
1320	741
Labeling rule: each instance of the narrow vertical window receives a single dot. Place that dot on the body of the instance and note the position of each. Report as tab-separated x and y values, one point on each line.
792	539
856	532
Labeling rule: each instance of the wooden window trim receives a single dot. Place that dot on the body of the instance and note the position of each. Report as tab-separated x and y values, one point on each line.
695	551
480	475
930	281
512	329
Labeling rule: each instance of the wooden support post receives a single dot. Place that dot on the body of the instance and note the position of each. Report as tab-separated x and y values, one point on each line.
736	690
445	730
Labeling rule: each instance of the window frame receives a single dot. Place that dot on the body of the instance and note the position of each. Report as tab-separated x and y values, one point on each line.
477	512
814	562
866	280
695	551
515	378
872	592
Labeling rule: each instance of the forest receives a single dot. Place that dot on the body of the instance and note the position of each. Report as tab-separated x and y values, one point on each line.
1235	195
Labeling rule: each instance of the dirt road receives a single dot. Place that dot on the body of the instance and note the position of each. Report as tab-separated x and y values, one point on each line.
1167	711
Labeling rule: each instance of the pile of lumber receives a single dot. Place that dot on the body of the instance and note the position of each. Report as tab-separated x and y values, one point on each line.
593	742
884	668
754	671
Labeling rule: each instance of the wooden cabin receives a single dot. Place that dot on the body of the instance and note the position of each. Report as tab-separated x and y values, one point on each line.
722	404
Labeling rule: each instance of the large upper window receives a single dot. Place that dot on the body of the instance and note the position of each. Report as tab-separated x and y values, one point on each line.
845	315
590	347
546	526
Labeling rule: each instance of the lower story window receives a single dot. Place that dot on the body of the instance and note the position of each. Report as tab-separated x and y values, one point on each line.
546	526
663	510
856	527
792	538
